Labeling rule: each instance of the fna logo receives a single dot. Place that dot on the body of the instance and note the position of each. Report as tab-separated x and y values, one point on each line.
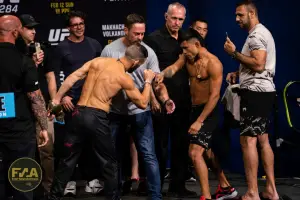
25	174
57	35
9	6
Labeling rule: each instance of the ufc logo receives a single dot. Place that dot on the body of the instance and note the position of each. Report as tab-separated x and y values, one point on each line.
11	1
57	35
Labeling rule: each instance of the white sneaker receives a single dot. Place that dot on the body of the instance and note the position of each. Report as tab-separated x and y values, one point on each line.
93	187
70	188
192	179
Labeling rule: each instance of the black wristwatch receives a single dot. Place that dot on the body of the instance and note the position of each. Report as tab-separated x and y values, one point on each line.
166	101
234	54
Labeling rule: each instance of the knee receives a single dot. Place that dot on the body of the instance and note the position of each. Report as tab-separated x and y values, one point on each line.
248	142
263	141
195	154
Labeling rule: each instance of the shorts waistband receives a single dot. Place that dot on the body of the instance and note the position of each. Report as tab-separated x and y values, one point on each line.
98	110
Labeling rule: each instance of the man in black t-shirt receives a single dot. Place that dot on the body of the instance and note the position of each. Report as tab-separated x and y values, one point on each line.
21	102
47	86
165	43
69	56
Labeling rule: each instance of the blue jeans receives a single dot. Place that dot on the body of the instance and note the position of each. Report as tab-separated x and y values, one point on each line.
143	137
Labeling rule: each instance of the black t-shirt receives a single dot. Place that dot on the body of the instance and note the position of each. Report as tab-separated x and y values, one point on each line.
18	77
168	50
70	56
43	68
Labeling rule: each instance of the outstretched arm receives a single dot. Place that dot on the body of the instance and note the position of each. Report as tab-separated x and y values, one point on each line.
172	69
79	74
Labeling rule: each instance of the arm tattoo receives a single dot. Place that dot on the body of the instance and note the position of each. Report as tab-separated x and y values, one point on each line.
39	108
168	73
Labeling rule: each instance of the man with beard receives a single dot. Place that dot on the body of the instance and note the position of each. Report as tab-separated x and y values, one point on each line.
139	119
90	124
21	102
205	75
69	56
257	69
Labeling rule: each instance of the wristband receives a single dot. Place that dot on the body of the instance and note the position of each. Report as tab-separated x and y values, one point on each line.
165	102
234	54
148	82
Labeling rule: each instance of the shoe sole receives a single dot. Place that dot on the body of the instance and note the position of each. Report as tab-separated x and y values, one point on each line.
231	196
70	194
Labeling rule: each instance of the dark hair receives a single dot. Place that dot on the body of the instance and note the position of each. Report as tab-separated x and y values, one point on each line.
136	51
199	20
190	34
74	13
133	19
248	4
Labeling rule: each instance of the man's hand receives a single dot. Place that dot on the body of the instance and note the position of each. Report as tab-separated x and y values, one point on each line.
50	116
43	138
38	58
195	127
67	103
148	75
155	106
229	47
54	109
231	77
159	78
170	106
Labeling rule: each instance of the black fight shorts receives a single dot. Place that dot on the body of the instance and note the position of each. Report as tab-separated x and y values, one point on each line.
255	111
204	136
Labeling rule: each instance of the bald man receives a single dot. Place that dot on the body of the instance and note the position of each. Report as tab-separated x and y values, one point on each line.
19	97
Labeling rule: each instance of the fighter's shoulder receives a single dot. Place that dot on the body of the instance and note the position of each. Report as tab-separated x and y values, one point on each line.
214	63
126	81
101	61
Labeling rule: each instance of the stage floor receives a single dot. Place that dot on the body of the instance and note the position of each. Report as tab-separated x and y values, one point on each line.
288	188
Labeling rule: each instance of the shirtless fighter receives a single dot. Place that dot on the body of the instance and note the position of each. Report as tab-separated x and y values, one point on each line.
104	78
205	71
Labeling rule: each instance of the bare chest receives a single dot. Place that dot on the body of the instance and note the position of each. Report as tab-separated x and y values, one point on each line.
198	71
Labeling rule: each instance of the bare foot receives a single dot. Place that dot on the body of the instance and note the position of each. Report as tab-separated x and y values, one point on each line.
249	196
269	195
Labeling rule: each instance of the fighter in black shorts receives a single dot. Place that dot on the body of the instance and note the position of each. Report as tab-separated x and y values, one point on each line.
204	136
205	71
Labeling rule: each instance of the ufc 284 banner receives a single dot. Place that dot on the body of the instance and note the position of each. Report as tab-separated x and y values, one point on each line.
105	18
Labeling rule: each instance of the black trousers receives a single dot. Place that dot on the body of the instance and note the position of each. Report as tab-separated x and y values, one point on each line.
90	128
11	151
176	126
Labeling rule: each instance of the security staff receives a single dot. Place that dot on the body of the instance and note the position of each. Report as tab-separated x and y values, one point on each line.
20	101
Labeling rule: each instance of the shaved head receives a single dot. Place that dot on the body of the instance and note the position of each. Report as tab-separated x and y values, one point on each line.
9	27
